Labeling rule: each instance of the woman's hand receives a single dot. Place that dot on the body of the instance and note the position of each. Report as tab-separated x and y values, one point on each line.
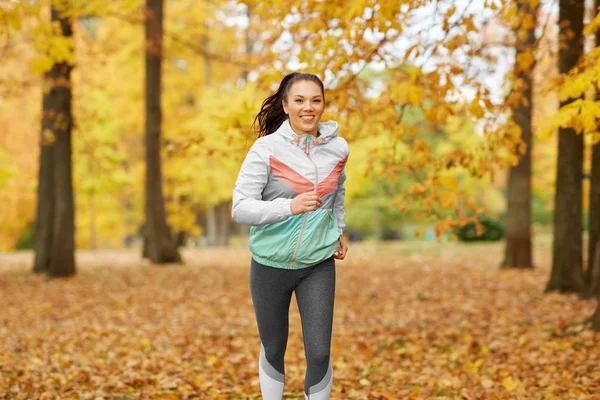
342	249
305	202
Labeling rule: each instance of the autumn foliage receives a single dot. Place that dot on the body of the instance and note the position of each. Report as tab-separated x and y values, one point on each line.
418	114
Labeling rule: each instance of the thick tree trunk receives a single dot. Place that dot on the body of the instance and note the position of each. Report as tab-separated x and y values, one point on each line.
594	209
62	256
160	246
45	193
517	253
55	225
592	274
567	268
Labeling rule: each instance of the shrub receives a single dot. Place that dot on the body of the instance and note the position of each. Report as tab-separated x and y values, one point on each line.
493	230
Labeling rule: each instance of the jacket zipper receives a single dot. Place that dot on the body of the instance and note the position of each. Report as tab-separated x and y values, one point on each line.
307	152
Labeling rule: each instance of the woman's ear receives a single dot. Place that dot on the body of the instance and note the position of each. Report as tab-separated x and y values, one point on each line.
285	110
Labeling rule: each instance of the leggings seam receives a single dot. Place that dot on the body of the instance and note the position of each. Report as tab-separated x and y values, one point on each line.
304	343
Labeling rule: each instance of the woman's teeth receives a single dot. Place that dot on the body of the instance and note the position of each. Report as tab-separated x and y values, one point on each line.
308	118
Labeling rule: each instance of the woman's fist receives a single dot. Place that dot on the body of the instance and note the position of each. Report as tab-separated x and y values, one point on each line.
305	202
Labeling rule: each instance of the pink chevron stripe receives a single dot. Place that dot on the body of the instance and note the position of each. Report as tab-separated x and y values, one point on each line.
297	182
300	184
328	184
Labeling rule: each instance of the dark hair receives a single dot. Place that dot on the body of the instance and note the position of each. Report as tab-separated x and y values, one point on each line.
271	114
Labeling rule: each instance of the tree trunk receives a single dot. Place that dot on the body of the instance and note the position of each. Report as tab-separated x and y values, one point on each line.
160	246
594	208
45	192
93	235
567	272
224	213
593	288
593	270
62	256
211	226
596	318
249	45
517	253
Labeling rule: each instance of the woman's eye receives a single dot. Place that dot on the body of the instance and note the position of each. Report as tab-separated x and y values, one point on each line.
298	101
317	101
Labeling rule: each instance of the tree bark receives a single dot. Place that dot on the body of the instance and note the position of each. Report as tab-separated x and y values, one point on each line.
592	274
517	252
55	222
567	252
224	215
596	319
62	256
249	45
211	226
160	246
594	208
45	193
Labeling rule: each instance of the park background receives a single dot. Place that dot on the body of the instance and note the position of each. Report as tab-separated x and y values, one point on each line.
471	269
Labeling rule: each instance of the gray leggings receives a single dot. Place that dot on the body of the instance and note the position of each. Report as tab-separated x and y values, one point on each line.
271	290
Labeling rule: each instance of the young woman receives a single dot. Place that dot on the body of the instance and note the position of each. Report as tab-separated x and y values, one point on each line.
290	189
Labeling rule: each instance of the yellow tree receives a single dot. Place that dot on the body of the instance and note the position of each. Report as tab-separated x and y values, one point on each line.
432	74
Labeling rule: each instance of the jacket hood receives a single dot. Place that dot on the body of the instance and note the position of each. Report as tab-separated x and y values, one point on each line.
326	131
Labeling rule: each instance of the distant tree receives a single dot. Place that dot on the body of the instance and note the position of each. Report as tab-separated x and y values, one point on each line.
159	246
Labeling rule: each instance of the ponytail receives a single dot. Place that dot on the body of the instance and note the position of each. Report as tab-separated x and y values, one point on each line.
271	114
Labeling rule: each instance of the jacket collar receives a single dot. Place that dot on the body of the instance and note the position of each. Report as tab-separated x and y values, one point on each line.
327	130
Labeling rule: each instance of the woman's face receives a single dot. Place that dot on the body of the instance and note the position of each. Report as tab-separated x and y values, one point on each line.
305	106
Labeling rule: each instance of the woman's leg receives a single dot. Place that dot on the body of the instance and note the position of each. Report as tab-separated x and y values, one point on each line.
271	290
315	296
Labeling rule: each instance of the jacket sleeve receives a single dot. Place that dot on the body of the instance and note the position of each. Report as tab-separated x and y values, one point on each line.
248	208
338	205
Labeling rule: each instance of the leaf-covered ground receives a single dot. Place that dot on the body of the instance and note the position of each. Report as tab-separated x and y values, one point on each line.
411	321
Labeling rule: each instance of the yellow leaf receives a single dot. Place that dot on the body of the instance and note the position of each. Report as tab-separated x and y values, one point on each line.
448	199
509	383
449	182
476	109
41	64
414	95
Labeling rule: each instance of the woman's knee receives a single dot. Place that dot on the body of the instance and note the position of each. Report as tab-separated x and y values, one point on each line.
275	350
318	355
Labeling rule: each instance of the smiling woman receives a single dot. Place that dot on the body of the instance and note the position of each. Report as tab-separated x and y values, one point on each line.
290	189
305	107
